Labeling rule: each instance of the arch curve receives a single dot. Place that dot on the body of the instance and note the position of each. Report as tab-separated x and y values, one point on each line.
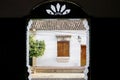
73	10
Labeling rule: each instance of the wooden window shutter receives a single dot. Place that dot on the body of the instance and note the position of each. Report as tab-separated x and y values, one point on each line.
63	48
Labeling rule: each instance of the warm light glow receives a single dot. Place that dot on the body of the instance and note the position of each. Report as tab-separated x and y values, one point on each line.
34	29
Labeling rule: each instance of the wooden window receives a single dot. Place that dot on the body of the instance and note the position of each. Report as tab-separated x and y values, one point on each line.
63	48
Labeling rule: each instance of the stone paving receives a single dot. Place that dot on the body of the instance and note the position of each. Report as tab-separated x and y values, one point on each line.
57	76
57	79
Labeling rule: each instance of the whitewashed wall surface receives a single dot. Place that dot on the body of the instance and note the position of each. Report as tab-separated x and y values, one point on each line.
50	55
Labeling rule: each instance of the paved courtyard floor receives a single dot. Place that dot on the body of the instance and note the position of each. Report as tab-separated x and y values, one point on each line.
57	76
57	79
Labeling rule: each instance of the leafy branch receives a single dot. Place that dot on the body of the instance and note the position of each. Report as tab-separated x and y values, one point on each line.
36	48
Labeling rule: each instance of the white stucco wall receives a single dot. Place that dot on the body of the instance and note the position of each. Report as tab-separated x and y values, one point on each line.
50	55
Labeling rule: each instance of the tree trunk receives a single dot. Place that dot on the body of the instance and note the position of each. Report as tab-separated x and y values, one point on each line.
33	64
34	61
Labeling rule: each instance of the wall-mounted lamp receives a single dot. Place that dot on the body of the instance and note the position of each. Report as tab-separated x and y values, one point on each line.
79	39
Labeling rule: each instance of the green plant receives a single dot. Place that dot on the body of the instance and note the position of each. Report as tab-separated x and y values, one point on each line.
36	48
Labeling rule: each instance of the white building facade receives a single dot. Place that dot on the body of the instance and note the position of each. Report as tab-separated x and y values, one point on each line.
75	39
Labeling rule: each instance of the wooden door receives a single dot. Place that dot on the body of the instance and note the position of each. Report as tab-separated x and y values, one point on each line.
63	48
83	55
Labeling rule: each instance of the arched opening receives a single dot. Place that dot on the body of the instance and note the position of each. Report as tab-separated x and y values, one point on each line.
59	24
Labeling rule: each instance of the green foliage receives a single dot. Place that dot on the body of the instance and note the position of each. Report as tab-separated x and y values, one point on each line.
36	48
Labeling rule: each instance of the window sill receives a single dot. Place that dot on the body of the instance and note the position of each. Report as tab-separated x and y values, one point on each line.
62	59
